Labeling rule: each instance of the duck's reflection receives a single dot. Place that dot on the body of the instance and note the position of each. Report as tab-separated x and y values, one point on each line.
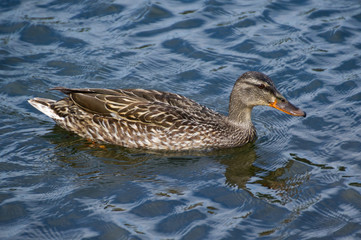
238	165
280	185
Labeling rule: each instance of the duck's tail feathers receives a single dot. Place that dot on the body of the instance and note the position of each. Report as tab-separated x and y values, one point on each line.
44	106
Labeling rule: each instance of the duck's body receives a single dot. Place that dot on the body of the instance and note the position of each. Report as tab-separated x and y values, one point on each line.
138	118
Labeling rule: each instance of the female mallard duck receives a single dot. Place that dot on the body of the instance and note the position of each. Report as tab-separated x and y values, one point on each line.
138	118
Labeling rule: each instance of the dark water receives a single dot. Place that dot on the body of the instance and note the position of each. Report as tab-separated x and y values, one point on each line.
299	180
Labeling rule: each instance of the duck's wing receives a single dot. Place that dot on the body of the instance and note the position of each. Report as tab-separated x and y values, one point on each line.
139	105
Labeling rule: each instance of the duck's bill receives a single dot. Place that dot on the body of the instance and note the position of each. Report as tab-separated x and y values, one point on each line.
288	108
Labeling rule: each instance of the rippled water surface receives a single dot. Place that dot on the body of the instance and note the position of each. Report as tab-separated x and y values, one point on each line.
299	180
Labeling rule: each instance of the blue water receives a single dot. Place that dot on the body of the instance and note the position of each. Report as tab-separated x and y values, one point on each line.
301	179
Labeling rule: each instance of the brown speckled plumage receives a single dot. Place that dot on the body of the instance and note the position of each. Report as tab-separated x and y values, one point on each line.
138	118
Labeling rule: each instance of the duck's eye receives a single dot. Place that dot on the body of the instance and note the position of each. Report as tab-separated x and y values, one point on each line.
261	86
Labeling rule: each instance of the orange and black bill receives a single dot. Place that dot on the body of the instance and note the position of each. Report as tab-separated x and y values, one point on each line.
287	107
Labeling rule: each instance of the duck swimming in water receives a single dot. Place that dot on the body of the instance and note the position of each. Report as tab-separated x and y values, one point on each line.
150	119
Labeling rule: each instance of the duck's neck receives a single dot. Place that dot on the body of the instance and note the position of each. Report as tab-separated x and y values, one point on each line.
240	118
240	114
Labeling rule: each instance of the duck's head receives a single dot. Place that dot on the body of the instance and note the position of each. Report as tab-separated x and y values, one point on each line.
253	89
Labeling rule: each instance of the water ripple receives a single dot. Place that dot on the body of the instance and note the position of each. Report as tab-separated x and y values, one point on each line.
299	179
